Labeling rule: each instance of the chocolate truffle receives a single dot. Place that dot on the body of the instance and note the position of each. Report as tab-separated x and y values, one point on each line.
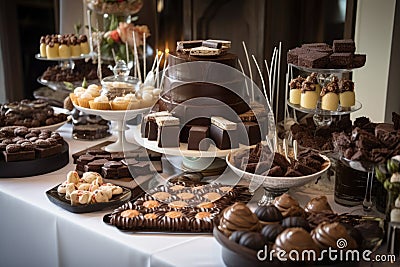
295	239
290	222
326	235
268	214
271	231
252	240
238	217
318	204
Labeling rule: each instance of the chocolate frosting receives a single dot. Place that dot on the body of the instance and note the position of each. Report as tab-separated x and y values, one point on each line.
331	87
296	83
313	78
308	86
346	85
327	235
288	206
295	239
318	204
238	217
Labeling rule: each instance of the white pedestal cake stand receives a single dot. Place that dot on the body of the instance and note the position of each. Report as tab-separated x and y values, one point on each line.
192	160
120	117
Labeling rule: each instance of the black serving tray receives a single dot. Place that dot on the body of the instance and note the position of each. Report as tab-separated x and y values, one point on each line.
61	201
38	166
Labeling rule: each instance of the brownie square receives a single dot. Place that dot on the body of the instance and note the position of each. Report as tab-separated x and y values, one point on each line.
152	131
109	173
358	60
19	156
253	133
344	46
48	151
340	60
314	59
320	47
293	55
123	172
184	133
196	135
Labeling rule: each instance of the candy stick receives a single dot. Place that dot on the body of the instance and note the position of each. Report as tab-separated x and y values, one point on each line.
250	73
144	56
277	87
269	80
261	77
90	32
245	80
273	70
136	57
158	69
127	53
163	73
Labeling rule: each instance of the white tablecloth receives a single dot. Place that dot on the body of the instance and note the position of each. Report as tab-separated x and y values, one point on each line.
35	232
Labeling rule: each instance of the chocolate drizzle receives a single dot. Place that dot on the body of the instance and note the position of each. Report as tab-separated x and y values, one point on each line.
331	87
296	83
346	85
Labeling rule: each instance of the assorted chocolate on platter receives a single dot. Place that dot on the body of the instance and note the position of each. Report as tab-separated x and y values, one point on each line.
177	207
29	113
256	161
285	225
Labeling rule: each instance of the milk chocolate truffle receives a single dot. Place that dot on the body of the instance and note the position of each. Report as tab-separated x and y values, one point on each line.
295	239
318	204
326	235
238	217
288	206
271	231
268	214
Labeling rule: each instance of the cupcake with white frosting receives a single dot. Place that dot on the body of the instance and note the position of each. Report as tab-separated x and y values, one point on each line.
101	102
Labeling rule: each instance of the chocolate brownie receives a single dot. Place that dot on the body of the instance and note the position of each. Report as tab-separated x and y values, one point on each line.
344	46
340	60
313	59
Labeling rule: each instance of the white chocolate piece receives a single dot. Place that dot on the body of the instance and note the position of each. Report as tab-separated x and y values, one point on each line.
74	198
89	177
309	99
69	189
330	101
93	187
223	123
204	51
167	121
85	198
84	186
347	99
159	114
295	96
62	188
99	196
73	177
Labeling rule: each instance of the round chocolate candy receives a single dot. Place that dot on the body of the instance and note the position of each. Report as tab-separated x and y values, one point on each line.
268	214
21	131
290	222
42	143
27	146
235	236
252	240
13	148
271	231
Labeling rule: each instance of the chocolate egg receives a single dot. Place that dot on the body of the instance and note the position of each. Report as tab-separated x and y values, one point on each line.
271	231
268	214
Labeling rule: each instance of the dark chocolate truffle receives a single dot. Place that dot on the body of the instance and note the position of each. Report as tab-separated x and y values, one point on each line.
271	231
290	222
252	240
268	214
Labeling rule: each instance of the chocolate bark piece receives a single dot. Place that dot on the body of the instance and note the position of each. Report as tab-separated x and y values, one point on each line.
44	152
95	166
340	60
293	55
344	46
304	169
280	160
253	133
19	156
168	136
123	172
196	135
292	173
224	139
358	60
275	171
313	59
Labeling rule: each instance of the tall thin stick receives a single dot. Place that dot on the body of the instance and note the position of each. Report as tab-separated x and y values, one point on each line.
90	32
286	96
261	77
279	73
273	71
163	72
99	72
144	57
158	69
127	53
136	57
114	57
250	72
245	80
269	80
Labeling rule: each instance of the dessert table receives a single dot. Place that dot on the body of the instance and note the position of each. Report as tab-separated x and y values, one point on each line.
35	232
